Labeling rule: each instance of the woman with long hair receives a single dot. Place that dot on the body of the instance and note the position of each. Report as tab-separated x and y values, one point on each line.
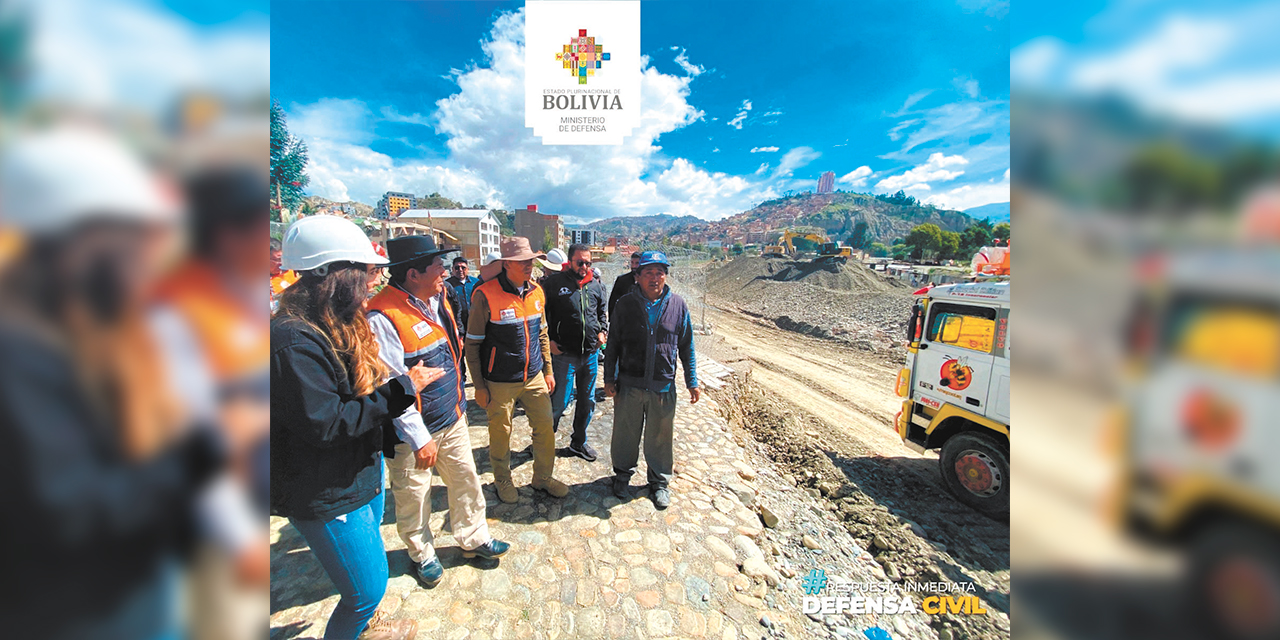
328	411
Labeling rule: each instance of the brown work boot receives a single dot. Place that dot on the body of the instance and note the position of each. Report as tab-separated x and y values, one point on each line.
383	628
552	486
506	490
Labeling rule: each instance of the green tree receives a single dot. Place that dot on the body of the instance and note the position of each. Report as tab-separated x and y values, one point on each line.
288	164
879	250
975	237
924	241
548	240
737	248
899	251
949	246
1167	176
858	239
1001	232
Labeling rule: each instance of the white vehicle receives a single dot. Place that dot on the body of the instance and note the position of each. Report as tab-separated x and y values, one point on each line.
956	389
1198	432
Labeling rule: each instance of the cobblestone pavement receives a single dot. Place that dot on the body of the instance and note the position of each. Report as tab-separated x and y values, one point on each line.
591	566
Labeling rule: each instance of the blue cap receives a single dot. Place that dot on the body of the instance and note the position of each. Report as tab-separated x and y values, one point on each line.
654	257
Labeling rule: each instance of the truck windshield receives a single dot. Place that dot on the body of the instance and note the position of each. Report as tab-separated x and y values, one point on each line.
1236	337
965	326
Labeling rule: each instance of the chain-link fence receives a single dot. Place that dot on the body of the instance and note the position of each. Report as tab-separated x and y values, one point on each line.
686	277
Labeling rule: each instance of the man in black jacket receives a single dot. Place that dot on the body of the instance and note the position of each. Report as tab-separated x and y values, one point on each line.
623	285
577	326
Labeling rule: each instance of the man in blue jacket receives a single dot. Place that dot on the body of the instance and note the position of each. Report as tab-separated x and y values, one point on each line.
650	329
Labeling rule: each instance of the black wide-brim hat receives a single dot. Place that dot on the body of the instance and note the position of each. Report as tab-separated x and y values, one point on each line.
413	249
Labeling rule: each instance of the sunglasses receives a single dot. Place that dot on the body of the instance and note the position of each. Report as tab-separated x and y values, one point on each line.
459	267
583	263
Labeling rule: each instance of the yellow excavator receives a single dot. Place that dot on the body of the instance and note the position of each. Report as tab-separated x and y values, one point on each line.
827	249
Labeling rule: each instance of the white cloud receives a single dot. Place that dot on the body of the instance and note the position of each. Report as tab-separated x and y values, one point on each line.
111	54
912	100
343	167
392	115
737	120
973	195
967	86
764	166
935	170
856	178
952	125
763	149
1211	66
494	158
689	68
771	113
1034	62
794	159
1180	43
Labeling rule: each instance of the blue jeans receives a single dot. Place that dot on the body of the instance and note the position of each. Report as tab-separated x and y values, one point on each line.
575	378
350	549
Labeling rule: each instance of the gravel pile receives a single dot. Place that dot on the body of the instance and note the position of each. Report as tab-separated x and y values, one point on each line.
844	302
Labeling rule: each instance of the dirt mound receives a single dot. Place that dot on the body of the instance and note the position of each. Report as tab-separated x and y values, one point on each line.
845	302
850	277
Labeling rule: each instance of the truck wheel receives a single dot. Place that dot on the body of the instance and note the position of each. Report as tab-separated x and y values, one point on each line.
1234	582
975	469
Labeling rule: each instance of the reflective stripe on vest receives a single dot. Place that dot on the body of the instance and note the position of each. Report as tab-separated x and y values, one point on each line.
442	403
511	347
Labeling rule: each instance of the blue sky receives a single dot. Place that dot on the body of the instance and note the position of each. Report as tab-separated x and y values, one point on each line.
1210	62
425	96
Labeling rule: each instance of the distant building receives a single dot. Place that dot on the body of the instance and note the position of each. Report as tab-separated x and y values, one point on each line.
535	226
477	230
589	237
392	203
827	182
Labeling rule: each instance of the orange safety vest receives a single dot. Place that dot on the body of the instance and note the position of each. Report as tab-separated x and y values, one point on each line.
443	402
510	348
235	338
281	282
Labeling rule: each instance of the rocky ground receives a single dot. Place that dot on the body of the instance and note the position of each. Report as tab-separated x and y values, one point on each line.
821	412
727	560
844	302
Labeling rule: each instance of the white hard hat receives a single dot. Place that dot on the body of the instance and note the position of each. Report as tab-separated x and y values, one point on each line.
493	255
52	180
315	241
557	257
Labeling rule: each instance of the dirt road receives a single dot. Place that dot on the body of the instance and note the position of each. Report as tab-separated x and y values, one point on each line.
824	410
849	390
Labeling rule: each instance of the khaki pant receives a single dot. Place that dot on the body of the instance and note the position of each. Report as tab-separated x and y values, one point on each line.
412	491
221	608
537	407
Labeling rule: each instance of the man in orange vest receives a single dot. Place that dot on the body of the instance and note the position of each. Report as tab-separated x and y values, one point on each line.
509	356
413	322
213	302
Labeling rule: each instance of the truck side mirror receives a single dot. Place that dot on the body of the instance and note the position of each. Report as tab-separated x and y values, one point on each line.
914	324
